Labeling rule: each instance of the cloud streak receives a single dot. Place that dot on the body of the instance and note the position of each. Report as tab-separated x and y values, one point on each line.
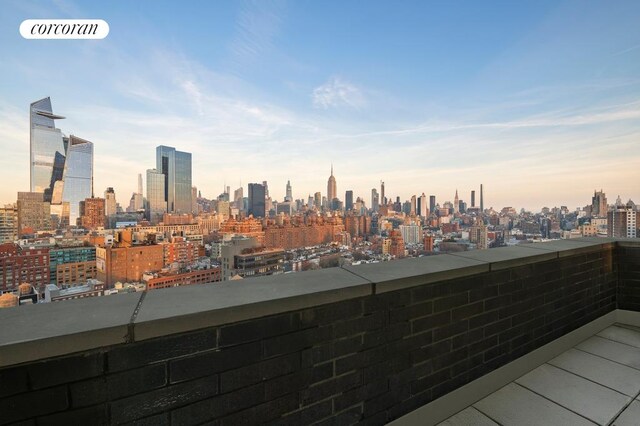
336	93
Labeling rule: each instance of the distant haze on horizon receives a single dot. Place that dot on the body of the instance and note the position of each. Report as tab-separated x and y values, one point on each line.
538	101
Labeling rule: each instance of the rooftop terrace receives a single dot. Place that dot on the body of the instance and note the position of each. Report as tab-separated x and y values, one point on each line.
412	339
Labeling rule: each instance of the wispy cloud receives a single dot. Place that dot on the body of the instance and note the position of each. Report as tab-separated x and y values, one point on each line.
257	25
336	93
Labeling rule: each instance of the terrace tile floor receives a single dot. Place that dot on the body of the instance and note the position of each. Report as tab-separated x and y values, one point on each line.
595	382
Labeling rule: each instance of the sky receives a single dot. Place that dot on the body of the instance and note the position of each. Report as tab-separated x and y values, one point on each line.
537	100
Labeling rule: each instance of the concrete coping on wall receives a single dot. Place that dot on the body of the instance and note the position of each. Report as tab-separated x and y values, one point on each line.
42	331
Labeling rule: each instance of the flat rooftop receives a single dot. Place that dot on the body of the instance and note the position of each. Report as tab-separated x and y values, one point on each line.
594	382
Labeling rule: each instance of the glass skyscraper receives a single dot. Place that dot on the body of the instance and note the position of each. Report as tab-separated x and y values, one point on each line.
257	198
176	168
47	148
78	175
156	206
61	167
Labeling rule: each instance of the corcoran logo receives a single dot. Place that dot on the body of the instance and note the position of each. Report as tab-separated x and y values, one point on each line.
64	29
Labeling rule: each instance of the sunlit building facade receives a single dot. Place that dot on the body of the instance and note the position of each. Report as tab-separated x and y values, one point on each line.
156	204
78	176
176	168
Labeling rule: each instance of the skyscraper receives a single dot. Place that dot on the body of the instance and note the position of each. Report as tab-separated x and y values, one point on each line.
473	198
289	196
432	203
137	199
456	203
109	202
257	198
375	200
598	204
414	208
60	167
47	148
238	196
481	199
422	211
383	200
348	200
77	177
332	191
156	204
176	168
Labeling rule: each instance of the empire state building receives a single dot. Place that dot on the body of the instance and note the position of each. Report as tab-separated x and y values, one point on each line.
332	191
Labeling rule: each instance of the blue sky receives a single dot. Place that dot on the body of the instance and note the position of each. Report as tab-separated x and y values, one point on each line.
537	100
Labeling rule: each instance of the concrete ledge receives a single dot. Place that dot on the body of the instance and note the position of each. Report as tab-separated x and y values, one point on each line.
405	273
189	308
43	331
46	330
459	399
508	257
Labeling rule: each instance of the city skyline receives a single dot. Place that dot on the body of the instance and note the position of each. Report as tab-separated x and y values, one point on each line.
539	104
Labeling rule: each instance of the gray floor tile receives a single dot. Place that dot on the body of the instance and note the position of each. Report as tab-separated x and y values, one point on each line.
630	416
618	352
622	335
517	406
575	393
469	417
608	373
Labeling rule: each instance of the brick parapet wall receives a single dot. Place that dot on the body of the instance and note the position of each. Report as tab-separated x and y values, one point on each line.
368	358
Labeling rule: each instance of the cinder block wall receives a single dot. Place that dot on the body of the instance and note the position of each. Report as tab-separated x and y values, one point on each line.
366	359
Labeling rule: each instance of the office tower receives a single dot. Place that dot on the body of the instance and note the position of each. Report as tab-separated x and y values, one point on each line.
375	200
383	200
257	198
176	168
598	204
238	196
47	148
348	200
60	167
8	223
422	210
156	204
456	203
92	213
34	214
289	196
473	198
332	191
77	177
481	199
413	207
432	203
109	201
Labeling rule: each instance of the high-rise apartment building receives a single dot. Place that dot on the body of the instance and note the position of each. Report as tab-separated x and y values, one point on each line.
156	204
8	223
622	221
257	200
176	168
598	204
375	200
413	206
432	203
332	188
34	214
